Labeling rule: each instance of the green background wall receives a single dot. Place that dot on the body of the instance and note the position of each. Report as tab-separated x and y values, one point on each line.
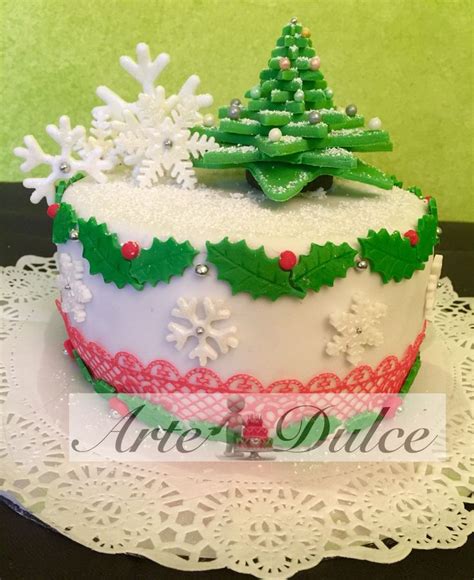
407	61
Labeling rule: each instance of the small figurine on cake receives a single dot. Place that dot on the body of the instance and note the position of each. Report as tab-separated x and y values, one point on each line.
233	422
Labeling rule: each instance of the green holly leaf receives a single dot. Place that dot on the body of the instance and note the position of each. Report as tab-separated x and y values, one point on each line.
102	250
390	255
433	208
64	184
64	222
361	421
250	271
323	265
427	237
83	368
411	375
162	261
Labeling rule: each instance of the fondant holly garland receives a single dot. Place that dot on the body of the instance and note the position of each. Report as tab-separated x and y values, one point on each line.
393	256
290	134
122	264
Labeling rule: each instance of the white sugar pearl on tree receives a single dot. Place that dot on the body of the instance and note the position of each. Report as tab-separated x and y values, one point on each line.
255	92
299	95
315	63
375	124
275	134
208	120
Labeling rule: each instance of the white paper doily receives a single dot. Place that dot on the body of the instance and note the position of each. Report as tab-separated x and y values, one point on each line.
269	520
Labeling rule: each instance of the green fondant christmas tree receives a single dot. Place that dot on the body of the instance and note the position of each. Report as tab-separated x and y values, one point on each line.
290	136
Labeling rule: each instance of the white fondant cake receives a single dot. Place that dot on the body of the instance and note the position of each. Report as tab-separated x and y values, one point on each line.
302	270
285	339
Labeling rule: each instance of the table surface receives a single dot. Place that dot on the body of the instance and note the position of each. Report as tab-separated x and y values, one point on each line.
29	550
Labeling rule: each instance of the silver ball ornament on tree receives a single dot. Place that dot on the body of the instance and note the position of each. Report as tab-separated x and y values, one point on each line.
314	117
294	20
235	103
74	234
351	110
329	93
234	112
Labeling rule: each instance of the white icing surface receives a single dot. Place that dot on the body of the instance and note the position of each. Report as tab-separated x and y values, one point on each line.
236	211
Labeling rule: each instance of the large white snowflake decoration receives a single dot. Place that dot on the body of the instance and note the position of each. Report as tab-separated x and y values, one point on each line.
74	293
358	328
73	158
153	133
203	327
432	287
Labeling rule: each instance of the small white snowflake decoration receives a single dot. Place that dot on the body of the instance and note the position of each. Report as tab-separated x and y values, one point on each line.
358	328
432	287
74	293
74	157
153	133
203	327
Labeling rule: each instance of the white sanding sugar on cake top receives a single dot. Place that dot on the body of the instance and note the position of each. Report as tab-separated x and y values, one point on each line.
232	209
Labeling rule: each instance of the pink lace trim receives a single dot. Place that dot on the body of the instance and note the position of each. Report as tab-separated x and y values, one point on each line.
127	374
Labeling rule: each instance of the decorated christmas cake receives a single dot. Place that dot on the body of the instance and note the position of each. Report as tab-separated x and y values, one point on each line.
250	253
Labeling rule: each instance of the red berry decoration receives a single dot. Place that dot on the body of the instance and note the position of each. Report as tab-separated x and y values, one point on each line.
287	260
68	348
412	236
119	406
130	250
53	210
